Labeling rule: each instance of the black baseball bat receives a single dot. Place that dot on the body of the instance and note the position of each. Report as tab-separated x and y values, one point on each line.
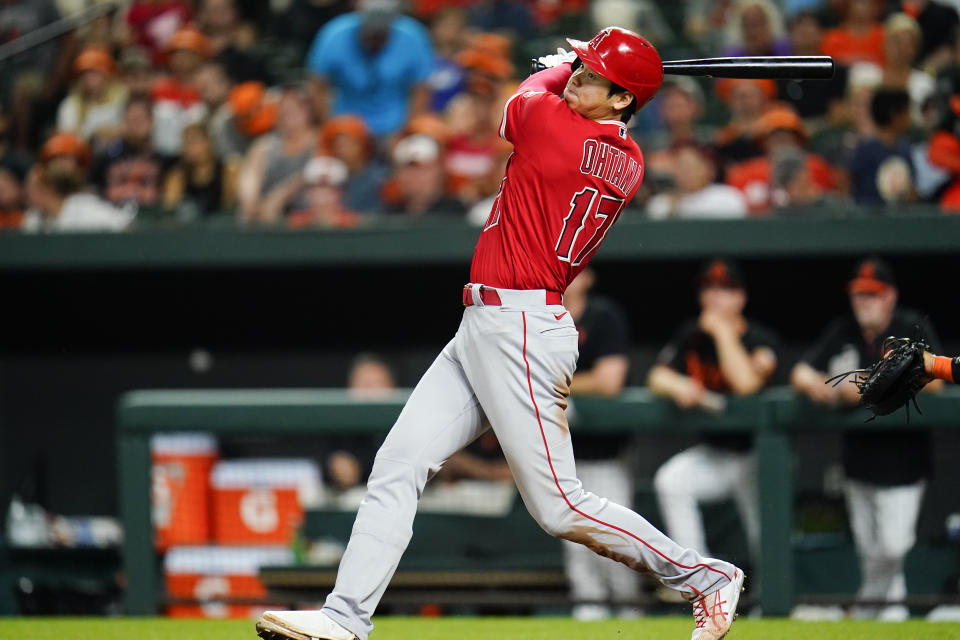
774	67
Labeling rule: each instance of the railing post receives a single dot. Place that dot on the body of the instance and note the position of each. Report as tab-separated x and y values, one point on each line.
774	471
139	559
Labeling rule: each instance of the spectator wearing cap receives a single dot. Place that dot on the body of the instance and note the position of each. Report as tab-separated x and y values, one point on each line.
880	167
251	112
418	186
323	180
56	191
129	171
720	353
813	101
696	194
885	470
348	139
860	37
778	129
276	157
94	107
199	184
153	22
176	100
11	196
374	63
747	101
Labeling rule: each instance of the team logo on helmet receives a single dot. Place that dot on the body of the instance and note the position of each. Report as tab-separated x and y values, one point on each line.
597	39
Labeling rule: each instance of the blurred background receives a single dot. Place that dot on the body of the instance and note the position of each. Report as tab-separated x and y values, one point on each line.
227	194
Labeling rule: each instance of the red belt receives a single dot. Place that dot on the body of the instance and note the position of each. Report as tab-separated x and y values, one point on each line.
491	297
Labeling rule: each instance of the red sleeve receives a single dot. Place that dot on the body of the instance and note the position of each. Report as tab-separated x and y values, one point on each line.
543	86
944	151
552	80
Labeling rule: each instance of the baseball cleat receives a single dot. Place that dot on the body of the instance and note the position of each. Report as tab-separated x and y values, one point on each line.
301	625
715	612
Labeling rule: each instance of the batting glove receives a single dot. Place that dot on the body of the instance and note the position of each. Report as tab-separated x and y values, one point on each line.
558	58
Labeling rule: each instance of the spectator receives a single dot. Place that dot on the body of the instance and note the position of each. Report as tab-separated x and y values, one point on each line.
516	20
153	22
277	156
880	169
639	16
129	171
214	87
901	45
94	107
717	354
232	41
419	184
850	121
812	100
176	101
348	139
860	37
759	30
598	583
55	191
199	184
448	34
252	112
794	186
11	197
376	63
746	100
136	71
778	129
944	147
697	194
296	26
886	470
31	82
322	182
938	23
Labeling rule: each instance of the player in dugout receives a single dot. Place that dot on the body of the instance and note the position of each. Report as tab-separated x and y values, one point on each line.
574	168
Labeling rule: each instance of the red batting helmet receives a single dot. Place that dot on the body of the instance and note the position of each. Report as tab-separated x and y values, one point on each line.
625	58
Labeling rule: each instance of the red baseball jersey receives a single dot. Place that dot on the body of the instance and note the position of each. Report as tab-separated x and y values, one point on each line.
565	185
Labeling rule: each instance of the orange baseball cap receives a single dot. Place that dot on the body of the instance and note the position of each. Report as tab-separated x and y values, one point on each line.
94	59
871	275
348	125
66	144
190	39
724	86
780	118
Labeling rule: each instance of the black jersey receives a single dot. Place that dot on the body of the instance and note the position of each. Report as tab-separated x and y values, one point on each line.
693	352
603	332
878	456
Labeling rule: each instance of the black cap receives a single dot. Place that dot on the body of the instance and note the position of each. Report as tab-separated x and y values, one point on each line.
720	273
871	275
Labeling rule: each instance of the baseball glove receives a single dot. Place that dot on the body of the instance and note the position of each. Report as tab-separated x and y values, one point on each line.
894	380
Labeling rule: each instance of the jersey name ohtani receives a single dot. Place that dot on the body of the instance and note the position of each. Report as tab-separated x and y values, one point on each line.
609	163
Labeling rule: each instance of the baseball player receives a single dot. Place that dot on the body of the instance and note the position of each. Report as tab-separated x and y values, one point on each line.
573	170
886	470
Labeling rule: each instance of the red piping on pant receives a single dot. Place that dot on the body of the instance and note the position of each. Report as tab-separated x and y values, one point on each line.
556	481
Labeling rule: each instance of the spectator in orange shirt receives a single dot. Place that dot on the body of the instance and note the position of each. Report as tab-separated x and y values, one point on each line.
860	38
779	129
747	101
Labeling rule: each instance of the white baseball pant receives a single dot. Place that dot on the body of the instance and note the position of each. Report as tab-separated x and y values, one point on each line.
884	524
512	363
704	473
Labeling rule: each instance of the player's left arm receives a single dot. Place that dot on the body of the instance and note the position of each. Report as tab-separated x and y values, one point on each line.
605	378
941	368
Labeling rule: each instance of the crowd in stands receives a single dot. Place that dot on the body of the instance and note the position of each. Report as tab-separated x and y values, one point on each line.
338	113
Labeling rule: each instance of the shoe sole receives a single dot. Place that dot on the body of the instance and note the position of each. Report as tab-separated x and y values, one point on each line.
269	631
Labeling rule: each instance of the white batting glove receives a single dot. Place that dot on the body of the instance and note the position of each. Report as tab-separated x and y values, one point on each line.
558	58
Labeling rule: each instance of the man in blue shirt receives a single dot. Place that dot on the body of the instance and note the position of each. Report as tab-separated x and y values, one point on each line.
375	63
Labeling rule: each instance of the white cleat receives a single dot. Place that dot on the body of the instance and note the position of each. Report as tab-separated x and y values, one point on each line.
715	612
301	625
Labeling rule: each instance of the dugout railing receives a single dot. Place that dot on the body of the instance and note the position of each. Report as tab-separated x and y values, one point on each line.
772	415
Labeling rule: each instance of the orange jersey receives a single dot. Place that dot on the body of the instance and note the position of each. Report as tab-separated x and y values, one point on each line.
847	48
